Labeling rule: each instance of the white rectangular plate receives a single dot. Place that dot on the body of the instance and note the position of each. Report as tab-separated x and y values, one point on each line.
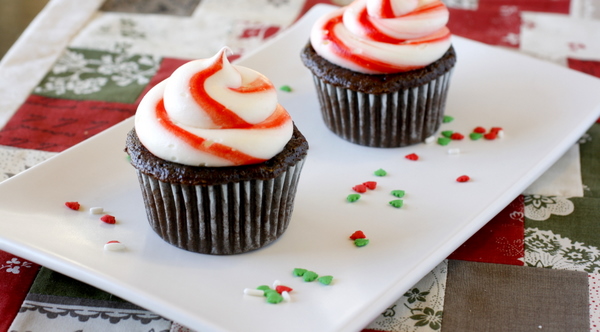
543	109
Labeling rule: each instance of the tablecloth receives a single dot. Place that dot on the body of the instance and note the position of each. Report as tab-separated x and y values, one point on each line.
82	66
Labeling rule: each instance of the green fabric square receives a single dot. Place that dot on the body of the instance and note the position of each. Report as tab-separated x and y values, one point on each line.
498	297
589	149
84	74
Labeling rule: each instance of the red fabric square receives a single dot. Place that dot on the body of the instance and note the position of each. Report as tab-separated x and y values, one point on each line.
16	277
500	241
52	124
498	22
586	66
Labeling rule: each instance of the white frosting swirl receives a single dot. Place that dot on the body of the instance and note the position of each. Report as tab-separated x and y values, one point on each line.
212	113
383	36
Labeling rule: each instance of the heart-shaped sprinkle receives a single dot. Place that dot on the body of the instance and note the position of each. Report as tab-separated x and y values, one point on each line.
443	141
73	205
353	198
490	136
397	203
298	272
457	136
447	119
495	130
107	218
281	288
325	280
380	172
412	156
370	185
398	193
361	242
310	276
479	130
358	235
447	133
360	188
475	136
274	297
463	178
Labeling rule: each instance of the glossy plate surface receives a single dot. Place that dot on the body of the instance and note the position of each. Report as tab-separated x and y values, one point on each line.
543	109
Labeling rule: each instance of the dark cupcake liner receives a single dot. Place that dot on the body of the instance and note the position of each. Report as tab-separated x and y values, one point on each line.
225	219
396	119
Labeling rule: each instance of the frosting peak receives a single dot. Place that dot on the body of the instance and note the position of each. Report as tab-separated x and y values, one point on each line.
210	112
383	36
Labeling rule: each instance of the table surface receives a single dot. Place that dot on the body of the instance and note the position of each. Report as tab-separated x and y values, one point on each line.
532	267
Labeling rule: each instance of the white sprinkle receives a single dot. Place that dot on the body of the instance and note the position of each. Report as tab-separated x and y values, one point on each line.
286	296
96	210
254	292
114	246
430	139
454	151
276	283
500	134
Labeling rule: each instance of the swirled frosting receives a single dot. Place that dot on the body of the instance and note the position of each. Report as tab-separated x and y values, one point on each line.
212	113
383	36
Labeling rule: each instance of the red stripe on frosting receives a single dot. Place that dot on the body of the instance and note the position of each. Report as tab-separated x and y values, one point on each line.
199	143
219	114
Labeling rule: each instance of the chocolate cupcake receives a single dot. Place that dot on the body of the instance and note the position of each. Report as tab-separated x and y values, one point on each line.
382	70
218	159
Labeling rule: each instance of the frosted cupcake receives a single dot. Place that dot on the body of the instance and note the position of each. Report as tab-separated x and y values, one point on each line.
382	70
218	159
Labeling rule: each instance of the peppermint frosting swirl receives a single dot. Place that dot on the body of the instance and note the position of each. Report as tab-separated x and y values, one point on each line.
212	113
383	36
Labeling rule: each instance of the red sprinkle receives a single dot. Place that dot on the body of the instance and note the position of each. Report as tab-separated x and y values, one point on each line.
360	188
73	205
463	178
108	219
112	241
412	156
457	136
281	288
358	235
490	136
495	130
479	130
370	185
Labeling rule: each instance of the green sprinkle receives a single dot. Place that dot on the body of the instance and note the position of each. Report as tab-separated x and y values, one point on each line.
285	88
447	133
263	288
274	297
325	280
269	291
353	198
397	203
475	136
380	172
398	193
443	140
310	276
447	119
361	242
299	272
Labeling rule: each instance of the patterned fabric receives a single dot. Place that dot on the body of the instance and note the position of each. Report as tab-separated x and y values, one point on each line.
535	266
